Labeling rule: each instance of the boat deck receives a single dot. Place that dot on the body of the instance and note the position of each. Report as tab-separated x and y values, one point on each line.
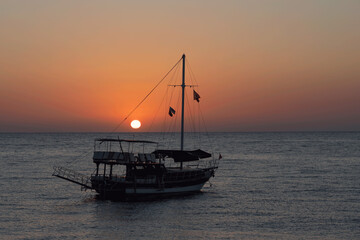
123	158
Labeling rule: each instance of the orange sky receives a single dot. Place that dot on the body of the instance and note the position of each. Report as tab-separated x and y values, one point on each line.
261	65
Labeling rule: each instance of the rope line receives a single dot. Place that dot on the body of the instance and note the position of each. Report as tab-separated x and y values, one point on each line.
145	97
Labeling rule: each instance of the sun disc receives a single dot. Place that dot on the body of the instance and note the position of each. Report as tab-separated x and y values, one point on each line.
135	124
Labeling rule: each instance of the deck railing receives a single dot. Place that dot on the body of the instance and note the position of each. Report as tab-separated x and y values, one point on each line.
72	176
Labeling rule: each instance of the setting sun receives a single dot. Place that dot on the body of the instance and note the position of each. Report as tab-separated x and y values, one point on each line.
135	124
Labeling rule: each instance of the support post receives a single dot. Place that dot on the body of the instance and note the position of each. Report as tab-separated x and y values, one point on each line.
111	167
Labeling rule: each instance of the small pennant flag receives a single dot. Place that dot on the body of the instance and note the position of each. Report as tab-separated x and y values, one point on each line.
171	111
196	96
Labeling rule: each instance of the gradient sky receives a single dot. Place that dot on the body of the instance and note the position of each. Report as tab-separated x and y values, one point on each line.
261	65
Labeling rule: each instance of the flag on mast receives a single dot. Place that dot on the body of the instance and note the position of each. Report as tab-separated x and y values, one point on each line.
171	111
196	96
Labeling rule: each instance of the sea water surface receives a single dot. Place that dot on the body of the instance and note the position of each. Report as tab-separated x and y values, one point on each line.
268	186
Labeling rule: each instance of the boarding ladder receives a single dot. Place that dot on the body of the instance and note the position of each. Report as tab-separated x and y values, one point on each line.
73	176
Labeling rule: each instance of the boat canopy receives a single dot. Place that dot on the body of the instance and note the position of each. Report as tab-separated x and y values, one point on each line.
122	140
182	156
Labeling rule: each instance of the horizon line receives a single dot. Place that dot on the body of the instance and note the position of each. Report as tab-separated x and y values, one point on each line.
266	131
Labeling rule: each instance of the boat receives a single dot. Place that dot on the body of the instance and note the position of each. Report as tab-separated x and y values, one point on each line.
145	170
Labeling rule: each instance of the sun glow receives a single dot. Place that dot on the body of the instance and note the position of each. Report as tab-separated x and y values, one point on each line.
135	124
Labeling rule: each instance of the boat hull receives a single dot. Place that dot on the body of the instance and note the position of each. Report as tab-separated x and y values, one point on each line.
129	190
173	190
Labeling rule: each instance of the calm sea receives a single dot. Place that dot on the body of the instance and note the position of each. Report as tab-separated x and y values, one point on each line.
268	186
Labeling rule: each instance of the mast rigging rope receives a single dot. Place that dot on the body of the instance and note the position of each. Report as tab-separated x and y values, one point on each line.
146	96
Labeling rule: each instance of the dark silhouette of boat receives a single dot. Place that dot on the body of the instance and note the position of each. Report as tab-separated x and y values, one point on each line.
144	172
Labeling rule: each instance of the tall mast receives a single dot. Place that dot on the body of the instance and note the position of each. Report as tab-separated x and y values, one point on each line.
182	106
